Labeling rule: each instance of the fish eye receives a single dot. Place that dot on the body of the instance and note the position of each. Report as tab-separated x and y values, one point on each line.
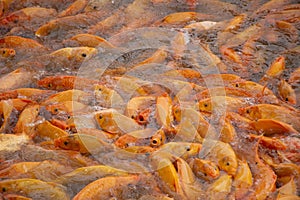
205	174
15	21
100	89
205	105
66	143
247	111
227	163
132	117
83	55
100	116
286	99
3	189
236	85
95	7
3	52
154	141
55	109
49	85
187	148
69	117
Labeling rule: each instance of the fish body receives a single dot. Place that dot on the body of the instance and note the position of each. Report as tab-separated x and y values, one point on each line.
68	95
182	18
34	188
106	187
286	92
262	93
61	83
48	130
89	40
73	54
77	179
26	120
164	111
243	178
220	104
269	111
108	97
114	122
16	79
74	8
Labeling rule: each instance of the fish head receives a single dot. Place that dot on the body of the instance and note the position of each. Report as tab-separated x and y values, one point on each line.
176	112
67	143
250	112
158	138
211	169
125	141
228	164
205	105
45	83
83	53
100	118
6	52
205	169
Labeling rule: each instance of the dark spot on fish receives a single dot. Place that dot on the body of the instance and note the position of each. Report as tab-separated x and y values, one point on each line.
286	99
15	21
83	55
3	52
205	174
3	189
141	118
